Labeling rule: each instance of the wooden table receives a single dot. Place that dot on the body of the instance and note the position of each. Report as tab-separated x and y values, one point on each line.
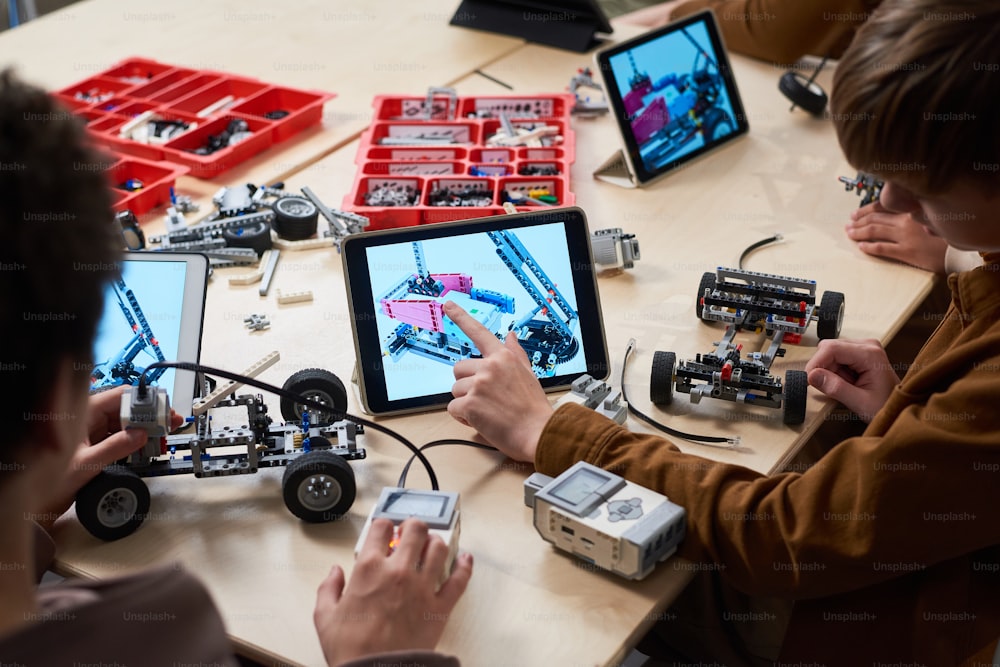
353	48
526	604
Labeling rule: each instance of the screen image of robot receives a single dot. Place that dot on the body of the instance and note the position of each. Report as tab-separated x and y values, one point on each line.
674	97
518	281
141	324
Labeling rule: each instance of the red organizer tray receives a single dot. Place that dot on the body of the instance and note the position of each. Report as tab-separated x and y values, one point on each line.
156	178
412	176
205	100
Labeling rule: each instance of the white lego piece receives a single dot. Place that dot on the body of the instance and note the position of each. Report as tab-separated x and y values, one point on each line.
224	390
254	276
306	244
294	297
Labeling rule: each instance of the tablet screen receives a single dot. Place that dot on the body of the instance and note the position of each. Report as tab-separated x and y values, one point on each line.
530	273
153	313
673	95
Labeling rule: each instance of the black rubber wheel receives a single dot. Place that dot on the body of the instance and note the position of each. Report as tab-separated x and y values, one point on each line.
794	405
318	487
809	96
256	235
831	315
717	124
661	378
295	218
707	283
113	504
319	385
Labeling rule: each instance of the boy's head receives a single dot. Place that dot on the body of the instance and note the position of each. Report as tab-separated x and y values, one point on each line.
58	250
915	96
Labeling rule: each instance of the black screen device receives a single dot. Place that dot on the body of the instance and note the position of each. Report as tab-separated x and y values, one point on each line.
673	95
529	273
565	24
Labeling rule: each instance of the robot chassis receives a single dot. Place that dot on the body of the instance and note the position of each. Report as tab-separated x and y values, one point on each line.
318	484
780	306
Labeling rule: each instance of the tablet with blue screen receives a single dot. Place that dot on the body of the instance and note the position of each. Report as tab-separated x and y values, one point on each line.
530	274
153	312
673	95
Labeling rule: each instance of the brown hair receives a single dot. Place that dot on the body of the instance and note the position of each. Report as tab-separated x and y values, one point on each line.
915	96
58	250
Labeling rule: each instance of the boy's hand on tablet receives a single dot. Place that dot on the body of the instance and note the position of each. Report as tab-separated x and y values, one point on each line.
498	395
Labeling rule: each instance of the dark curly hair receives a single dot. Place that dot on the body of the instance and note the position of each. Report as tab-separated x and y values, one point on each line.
58	251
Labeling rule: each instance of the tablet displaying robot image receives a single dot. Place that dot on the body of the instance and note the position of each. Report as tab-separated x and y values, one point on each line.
673	94
527	279
152	312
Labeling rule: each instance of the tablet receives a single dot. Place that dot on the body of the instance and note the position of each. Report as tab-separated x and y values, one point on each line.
673	96
531	273
153	312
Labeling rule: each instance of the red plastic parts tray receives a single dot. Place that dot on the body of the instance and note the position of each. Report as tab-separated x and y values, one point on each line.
141	185
162	112
454	165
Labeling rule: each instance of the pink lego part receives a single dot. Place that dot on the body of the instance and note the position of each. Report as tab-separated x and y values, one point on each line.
633	100
651	120
423	313
460	282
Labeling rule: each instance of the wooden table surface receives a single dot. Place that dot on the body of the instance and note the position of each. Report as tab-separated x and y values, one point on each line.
526	604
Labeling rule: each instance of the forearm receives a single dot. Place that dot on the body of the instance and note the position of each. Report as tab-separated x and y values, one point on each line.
782	31
851	520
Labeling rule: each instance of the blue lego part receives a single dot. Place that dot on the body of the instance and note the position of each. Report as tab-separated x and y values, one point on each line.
504	301
189	419
306	444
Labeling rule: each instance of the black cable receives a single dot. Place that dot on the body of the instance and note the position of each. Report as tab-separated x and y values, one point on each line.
316	405
759	244
436	443
707	440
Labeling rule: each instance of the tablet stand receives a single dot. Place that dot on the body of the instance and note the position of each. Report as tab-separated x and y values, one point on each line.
615	170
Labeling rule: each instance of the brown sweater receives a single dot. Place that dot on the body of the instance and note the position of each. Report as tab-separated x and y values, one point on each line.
162	616
889	544
782	31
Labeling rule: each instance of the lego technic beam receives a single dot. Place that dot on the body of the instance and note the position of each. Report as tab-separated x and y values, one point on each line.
515	256
122	366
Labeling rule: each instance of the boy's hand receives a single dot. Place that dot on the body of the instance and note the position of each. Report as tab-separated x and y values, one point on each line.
855	372
391	602
498	395
880	233
106	443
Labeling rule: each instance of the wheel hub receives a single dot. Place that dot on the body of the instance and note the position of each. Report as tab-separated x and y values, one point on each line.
117	507
319	492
